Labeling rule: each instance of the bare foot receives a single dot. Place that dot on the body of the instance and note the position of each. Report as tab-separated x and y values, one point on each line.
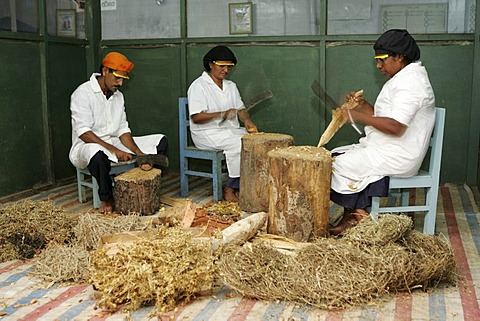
361	214
342	226
229	195
106	207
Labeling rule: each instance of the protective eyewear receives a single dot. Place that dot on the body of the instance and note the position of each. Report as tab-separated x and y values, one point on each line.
224	64
118	76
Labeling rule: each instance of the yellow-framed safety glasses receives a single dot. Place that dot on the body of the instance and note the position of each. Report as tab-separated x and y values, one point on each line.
117	75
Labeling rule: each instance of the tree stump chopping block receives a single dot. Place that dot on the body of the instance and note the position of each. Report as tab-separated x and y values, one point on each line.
254	168
299	192
138	191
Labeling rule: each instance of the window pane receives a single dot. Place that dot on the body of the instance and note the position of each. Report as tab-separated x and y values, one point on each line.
66	18
19	16
140	19
377	16
209	18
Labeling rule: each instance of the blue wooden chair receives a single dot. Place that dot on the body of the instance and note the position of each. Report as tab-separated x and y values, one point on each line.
83	182
424	179
190	152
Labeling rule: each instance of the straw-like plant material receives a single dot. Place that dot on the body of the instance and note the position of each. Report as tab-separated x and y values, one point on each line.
433	258
29	226
224	211
387	229
162	270
69	263
61	263
338	272
91	227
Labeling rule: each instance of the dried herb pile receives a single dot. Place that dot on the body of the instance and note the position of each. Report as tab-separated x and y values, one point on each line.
372	260
70	263
26	227
161	271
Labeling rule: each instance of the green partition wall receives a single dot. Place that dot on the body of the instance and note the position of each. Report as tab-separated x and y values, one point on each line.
39	73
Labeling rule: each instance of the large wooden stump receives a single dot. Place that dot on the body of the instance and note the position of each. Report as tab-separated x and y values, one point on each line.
254	168
299	192
138	191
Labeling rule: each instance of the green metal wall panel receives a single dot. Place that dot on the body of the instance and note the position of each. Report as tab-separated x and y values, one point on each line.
66	71
22	159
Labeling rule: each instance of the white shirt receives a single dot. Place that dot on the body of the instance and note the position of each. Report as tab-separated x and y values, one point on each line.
204	95
408	98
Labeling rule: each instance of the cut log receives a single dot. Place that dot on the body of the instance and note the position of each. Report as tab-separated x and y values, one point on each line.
138	191
240	231
299	195
254	168
337	119
181	215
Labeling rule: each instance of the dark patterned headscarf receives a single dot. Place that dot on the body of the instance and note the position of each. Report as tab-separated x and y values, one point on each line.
397	41
220	53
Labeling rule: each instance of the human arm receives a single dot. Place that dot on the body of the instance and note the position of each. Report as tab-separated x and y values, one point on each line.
245	119
90	137
364	114
204	117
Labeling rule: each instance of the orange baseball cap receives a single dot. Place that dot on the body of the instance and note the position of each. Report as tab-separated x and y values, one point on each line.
117	61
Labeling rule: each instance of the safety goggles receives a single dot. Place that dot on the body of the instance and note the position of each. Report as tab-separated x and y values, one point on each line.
222	64
118	76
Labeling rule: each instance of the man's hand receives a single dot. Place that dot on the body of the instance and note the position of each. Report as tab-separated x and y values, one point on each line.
123	156
250	126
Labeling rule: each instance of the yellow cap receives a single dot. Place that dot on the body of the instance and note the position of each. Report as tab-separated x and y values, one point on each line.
382	56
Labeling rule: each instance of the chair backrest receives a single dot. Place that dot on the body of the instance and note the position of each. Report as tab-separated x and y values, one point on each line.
183	121
436	142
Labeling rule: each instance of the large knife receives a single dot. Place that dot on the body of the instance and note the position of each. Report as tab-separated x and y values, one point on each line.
329	101
264	95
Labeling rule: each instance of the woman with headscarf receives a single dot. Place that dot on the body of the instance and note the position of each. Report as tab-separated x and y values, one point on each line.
215	108
397	130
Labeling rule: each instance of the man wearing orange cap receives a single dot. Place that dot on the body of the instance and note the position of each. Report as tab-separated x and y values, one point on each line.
100	131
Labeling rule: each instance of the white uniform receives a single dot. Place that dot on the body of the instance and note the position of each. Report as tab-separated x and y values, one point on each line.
408	98
205	96
91	111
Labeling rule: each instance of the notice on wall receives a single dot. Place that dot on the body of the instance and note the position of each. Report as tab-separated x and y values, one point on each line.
349	10
105	5
422	18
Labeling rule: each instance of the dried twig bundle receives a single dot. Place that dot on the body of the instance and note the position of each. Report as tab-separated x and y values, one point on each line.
91	227
30	225
433	258
387	229
224	211
161	270
339	272
62	263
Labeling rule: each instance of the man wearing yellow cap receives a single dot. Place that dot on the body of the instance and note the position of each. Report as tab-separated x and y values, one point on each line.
100	131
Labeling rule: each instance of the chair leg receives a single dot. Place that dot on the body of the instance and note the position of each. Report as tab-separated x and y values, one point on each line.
96	198
82	195
375	208
183	176
430	215
405	198
217	178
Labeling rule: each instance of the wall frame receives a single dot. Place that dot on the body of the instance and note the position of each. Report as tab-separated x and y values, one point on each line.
240	18
66	23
